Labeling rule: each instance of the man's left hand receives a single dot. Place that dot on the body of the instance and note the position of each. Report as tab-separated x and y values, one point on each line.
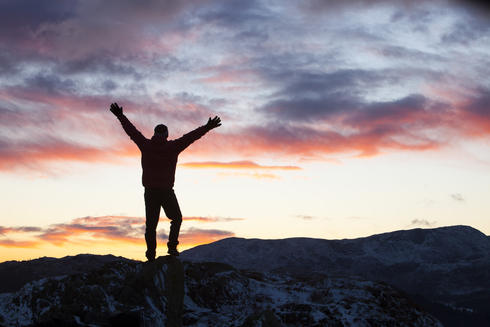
213	123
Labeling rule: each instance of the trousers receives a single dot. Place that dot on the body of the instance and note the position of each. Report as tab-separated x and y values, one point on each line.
156	198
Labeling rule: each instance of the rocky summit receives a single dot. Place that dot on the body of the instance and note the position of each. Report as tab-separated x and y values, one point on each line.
169	292
120	293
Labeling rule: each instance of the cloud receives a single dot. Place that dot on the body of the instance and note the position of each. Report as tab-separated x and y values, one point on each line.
465	33
107	228
35	155
406	109
475	113
101	230
307	96
94	25
404	53
333	4
318	98
231	13
22	229
235	165
49	84
332	111
313	142
41	124
422	222
8	243
457	197
26	16
85	231
414	122
228	75
195	236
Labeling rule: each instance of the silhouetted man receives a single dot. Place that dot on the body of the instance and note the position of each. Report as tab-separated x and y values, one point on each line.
159	160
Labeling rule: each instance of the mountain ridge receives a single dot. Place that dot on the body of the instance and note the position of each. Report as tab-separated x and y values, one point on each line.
442	245
451	227
447	266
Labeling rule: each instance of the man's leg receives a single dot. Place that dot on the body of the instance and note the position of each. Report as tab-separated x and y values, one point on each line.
172	210
152	207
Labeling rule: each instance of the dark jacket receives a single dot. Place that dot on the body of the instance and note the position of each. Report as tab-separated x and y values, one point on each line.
158	155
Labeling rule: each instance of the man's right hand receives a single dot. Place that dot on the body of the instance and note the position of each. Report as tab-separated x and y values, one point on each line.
116	110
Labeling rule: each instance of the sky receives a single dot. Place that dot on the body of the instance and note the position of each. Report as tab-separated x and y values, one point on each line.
339	119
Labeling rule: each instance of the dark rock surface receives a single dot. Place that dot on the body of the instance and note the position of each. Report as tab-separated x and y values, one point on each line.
219	295
15	274
170	293
120	292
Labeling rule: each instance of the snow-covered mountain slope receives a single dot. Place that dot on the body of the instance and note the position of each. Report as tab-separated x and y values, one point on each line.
448	265
129	293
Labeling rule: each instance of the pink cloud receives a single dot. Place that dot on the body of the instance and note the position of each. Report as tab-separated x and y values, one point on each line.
402	125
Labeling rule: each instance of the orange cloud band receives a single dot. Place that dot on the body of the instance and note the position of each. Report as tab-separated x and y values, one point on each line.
235	165
93	231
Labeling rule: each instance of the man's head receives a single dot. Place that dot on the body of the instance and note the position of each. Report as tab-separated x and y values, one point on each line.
161	130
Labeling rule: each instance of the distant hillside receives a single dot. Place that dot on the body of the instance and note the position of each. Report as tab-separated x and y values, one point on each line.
447	266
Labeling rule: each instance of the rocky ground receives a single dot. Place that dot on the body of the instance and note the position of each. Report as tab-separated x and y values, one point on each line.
169	292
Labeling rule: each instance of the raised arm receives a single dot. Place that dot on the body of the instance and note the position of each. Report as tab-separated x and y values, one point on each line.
128	127
192	136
